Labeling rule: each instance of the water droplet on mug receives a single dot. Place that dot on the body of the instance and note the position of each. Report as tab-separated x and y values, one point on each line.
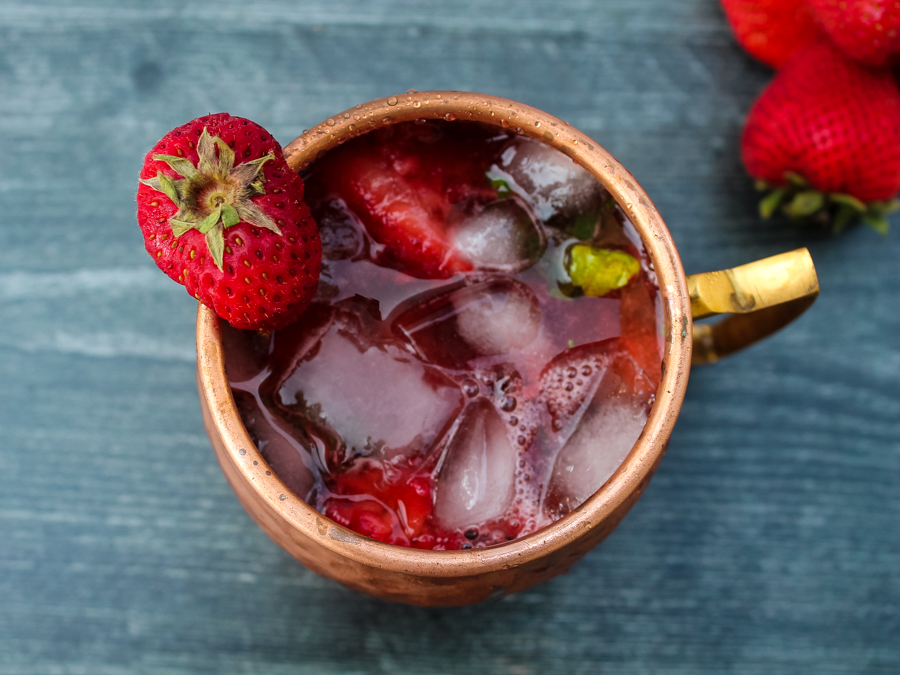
392	100
449	117
329	122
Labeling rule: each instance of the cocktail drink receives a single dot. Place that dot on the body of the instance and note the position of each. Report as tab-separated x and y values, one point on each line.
355	479
484	348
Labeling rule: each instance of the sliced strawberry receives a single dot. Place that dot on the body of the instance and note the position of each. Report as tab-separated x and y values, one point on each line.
389	504
637	318
404	183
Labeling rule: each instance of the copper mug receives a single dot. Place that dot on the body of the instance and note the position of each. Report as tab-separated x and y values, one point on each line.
760	297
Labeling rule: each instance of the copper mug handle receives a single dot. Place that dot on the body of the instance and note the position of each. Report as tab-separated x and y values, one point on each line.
760	297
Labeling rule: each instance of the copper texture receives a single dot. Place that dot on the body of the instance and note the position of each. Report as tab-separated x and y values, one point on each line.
462	577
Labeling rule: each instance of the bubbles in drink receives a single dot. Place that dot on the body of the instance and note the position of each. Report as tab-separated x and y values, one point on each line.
596	427
455	385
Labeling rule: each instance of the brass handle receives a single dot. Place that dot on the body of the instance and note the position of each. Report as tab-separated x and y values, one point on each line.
762	297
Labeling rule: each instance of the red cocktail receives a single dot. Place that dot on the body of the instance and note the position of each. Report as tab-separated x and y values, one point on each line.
483	350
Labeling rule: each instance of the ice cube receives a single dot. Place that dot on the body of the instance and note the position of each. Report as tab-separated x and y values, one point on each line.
284	447
374	394
501	236
476	480
563	195
600	437
469	319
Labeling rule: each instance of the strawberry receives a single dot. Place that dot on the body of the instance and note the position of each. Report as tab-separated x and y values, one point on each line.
772	30
404	183
222	213
826	135
866	30
389	505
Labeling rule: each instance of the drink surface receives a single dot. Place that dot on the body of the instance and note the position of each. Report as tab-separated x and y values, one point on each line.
483	350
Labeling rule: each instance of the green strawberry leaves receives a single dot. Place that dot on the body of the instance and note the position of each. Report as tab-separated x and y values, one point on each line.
215	194
801	202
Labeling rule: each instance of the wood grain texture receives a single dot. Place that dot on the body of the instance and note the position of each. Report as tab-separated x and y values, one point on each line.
769	540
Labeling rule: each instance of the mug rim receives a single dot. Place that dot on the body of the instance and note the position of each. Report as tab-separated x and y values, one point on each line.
635	470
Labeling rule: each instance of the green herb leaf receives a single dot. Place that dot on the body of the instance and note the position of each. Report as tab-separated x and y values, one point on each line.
849	200
179	227
844	216
215	242
226	157
206	149
501	186
598	270
247	172
251	213
805	204
167	187
229	215
584	226
771	202
884	208
183	167
210	221
877	223
795	179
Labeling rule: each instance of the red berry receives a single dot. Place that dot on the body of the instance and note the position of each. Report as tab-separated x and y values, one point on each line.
391	506
772	30
866	30
222	214
830	121
404	182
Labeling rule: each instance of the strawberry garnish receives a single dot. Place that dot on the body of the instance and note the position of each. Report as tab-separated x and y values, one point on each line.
404	183
825	137
222	214
772	30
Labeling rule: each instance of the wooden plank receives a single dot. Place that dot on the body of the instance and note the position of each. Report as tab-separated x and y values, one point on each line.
769	540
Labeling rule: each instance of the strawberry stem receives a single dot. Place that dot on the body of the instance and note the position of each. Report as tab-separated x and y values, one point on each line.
801	202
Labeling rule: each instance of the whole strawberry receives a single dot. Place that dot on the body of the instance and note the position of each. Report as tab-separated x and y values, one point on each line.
826	135
772	30
866	30
222	213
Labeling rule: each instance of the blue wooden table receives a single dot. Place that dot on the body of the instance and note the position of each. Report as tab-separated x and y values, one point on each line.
769	541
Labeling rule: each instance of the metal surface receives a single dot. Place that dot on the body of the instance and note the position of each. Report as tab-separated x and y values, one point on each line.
764	296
